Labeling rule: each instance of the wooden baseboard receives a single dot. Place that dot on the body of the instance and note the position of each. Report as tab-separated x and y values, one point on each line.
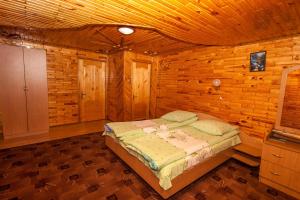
7	136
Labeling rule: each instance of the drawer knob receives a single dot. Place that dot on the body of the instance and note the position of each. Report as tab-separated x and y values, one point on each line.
276	155
274	173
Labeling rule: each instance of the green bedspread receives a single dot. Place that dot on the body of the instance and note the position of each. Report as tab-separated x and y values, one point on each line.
169	172
166	160
157	152
123	130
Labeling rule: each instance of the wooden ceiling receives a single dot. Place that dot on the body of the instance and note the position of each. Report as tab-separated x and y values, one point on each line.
100	38
206	22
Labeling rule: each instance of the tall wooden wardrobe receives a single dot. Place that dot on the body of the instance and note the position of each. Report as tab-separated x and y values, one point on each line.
23	92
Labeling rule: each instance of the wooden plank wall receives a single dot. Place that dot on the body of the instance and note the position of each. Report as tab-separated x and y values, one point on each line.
63	91
248	99
115	87
62	71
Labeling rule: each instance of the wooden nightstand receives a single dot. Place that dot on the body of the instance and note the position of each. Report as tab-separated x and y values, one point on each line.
280	166
249	151
247	154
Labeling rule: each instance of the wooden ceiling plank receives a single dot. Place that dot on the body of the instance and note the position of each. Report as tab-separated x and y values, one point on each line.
179	14
220	22
148	20
176	33
219	16
87	39
18	18
207	30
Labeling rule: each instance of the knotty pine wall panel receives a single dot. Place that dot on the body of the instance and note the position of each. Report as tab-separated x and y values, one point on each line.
115	87
62	67
248	99
62	74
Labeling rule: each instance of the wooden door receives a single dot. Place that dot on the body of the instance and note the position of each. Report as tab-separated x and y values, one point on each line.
92	89
140	90
12	92
36	90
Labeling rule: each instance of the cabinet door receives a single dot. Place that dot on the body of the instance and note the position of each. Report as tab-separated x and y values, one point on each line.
92	89
37	90
140	90
12	94
294	182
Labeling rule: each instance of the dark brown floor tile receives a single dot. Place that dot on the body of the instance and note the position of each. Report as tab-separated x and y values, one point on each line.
83	167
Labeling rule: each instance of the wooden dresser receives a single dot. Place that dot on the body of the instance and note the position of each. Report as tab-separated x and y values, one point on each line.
280	167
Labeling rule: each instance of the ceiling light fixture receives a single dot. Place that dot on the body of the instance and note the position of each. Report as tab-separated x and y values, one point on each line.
125	30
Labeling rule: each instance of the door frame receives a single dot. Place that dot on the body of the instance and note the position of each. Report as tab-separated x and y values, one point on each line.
105	84
149	63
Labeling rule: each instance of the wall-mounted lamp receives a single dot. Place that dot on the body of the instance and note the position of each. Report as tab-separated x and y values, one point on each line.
216	83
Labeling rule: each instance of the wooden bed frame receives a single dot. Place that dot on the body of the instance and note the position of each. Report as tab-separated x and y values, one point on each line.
178	183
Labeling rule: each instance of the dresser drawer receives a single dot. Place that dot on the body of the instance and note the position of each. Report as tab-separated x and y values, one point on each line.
282	157
295	181
275	173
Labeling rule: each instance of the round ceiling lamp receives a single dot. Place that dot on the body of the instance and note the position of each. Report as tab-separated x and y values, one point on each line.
125	30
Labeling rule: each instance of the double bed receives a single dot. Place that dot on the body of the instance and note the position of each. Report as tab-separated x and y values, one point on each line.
170	155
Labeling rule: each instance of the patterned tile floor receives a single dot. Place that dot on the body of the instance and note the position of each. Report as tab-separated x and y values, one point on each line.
83	168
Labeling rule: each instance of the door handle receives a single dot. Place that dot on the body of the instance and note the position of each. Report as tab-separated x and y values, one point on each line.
276	155
274	173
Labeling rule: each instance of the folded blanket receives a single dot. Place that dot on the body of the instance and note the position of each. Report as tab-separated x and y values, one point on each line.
123	128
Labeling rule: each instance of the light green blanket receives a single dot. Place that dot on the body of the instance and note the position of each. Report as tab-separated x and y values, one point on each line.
154	150
157	152
164	159
169	172
173	169
123	130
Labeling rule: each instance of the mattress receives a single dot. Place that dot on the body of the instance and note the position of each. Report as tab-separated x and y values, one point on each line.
170	171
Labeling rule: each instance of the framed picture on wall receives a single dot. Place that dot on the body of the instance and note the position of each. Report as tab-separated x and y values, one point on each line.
258	61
